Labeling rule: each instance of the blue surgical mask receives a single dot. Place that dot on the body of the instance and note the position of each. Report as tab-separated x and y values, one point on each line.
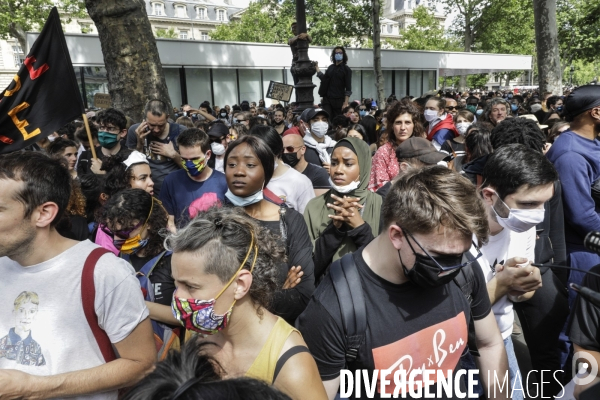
244	201
339	57
362	113
514	107
479	112
559	108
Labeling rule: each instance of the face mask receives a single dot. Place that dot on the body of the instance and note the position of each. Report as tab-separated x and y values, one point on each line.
559	109
319	128
431	115
535	108
217	148
514	107
260	116
244	201
290	159
510	96
339	57
107	140
344	189
51	138
480	111
462	127
194	167
134	244
519	220
473	109
199	315
426	273
362	113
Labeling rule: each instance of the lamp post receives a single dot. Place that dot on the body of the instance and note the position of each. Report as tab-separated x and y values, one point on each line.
571	77
304	68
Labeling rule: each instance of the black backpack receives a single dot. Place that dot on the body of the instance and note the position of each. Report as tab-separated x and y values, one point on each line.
349	292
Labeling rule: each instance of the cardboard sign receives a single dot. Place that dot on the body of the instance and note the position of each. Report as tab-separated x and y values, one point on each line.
102	100
279	91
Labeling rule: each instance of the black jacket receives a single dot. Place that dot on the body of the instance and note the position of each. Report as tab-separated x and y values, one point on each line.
340	80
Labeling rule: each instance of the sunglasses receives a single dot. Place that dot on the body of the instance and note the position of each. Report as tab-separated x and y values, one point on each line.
123	233
446	269
291	149
451	108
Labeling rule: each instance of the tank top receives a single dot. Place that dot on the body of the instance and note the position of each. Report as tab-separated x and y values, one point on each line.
263	367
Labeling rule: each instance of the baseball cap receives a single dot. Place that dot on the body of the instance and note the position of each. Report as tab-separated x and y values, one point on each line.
218	130
310	113
420	148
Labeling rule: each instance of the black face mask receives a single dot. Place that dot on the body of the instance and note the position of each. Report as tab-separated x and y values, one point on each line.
425	272
290	159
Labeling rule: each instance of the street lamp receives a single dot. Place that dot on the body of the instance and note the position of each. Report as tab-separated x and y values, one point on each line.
571	77
304	68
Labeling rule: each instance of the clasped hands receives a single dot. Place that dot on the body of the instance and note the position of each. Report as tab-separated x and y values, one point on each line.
347	210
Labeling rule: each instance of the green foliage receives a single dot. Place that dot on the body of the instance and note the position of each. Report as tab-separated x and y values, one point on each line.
477	81
330	23
578	30
584	72
20	16
166	33
426	34
508	28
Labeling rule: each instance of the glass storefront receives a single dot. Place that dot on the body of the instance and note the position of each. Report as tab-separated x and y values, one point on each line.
223	86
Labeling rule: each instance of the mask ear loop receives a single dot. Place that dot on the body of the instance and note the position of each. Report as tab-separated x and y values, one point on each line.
250	248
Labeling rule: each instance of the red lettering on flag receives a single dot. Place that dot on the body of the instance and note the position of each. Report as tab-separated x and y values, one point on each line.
35	73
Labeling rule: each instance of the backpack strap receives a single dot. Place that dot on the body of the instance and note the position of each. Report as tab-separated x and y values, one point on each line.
465	280
273	198
88	298
347	286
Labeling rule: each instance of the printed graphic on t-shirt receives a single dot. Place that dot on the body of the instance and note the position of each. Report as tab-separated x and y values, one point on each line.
18	345
437	347
203	203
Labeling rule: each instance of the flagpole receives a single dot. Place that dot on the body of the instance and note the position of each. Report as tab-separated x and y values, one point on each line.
89	135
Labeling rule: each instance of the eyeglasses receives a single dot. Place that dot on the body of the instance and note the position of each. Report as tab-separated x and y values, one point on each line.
292	149
123	233
108	128
451	108
446	269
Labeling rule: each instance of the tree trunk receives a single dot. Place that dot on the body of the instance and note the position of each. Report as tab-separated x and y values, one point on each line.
133	67
377	54
19	33
546	39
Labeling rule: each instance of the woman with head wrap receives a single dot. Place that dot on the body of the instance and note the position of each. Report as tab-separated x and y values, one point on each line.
347	216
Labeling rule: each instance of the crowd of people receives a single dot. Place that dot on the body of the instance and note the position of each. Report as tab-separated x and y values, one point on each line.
248	251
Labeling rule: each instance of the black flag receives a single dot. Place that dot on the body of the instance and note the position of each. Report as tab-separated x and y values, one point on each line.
44	95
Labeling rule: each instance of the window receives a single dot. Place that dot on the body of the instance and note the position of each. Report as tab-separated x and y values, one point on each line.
16	49
183	34
180	12
221	15
204	35
158	9
17	60
382	28
200	12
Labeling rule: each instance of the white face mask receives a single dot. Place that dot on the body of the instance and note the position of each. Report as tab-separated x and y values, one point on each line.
520	220
462	127
431	115
52	138
536	107
319	128
244	201
217	148
344	189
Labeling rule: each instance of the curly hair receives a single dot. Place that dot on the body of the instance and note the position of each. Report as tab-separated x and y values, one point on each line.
131	206
222	237
398	109
77	201
485	116
518	130
118	176
344	60
240	129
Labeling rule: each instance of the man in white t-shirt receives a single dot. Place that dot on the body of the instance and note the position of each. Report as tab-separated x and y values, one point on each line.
288	184
517	181
47	346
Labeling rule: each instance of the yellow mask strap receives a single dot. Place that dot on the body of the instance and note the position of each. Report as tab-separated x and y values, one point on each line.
252	246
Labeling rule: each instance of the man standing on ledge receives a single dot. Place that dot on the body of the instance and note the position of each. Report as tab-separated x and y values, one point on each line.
336	83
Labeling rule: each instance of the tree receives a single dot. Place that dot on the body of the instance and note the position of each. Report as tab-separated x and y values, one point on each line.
131	59
578	30
166	33
19	16
379	82
425	34
477	80
546	35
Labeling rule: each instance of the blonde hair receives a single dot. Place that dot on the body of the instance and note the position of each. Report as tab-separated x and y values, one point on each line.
25	297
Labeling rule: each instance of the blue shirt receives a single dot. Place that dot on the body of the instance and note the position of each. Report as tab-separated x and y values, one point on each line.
577	161
184	198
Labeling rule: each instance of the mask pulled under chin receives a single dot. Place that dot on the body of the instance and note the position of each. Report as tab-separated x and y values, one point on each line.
346	188
244	201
